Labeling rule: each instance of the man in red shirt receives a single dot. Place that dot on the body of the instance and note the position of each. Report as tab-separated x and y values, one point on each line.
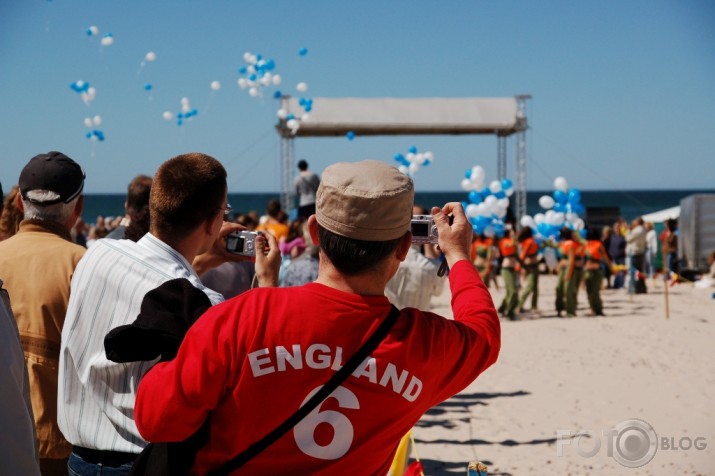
250	362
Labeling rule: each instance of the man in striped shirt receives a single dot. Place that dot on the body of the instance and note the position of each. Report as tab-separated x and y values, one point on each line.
96	396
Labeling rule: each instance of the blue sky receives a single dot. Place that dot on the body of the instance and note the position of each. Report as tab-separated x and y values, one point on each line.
623	92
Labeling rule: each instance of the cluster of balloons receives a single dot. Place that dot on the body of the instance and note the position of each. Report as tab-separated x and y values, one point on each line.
107	38
412	161
92	123
186	113
488	205
294	121
563	208
86	92
257	74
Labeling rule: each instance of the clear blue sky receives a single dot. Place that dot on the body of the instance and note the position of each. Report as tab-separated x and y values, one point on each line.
623	92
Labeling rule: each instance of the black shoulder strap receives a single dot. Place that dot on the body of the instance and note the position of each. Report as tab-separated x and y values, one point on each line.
337	378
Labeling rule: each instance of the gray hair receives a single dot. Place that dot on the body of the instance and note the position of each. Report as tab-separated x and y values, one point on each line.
57	212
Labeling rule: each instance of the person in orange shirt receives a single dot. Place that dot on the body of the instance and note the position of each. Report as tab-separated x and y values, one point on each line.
570	267
273	221
528	258
483	254
595	254
507	248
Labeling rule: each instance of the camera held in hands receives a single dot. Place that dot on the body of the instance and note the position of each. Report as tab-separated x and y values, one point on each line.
424	231
242	242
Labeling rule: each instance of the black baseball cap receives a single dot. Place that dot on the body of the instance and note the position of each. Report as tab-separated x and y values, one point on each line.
52	171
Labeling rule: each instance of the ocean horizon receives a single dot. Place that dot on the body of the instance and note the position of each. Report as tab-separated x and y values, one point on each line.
630	203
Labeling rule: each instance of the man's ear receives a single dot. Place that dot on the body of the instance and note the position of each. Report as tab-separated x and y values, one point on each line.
18	202
404	246
313	229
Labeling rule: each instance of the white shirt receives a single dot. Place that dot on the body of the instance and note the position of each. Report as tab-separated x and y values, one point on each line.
415	282
95	402
18	442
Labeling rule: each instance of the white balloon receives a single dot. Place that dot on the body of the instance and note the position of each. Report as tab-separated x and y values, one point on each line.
302	87
107	40
184	101
167	116
489	231
579	224
478	171
560	183
93	29
414	167
491	200
293	124
253	91
282	113
539	218
410	157
472	210
215	85
151	56
484	210
527	221
495	186
503	203
242	83
509	191
97	120
557	218
466	185
251	69
304	117
545	201
429	156
266	80
247	56
185	107
276	79
477	183
403	169
88	121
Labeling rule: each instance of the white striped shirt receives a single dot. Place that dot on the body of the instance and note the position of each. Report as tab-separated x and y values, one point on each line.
95	400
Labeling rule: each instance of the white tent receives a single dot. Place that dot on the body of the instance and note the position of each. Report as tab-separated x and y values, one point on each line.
662	215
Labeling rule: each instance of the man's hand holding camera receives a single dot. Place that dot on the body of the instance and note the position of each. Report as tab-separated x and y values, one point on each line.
455	232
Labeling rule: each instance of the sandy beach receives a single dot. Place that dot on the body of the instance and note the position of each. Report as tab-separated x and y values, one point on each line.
563	386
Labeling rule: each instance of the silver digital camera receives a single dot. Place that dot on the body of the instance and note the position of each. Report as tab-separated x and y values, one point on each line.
424	230
242	242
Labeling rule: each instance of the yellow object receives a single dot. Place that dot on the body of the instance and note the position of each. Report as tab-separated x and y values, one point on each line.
399	463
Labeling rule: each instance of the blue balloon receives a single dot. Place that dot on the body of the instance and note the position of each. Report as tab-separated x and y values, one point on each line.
242	70
147	87
308	107
412	149
270	65
350	135
506	184
290	116
578	208
574	195
277	95
483	221
560	207
583	233
88	135
474	197
485	192
468	173
500	194
303	51
253	77
560	196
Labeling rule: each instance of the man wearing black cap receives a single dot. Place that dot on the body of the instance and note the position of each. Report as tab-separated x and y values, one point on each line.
36	266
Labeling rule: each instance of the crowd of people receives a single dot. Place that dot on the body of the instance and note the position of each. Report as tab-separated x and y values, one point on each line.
146	347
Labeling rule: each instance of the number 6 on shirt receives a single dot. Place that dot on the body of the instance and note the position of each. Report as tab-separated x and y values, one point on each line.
304	432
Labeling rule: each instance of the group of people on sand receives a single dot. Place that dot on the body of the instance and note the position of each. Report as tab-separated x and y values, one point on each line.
119	358
592	259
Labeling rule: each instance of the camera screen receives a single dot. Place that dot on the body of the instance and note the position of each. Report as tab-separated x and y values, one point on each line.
235	243
420	229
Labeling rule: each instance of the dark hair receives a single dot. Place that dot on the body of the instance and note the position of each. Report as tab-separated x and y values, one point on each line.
302	165
273	208
138	194
566	234
187	190
593	234
352	257
525	233
295	229
671	224
139	225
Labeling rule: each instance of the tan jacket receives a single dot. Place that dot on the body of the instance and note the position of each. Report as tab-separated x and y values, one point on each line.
36	266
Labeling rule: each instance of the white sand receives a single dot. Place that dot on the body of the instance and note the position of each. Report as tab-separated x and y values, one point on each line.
585	373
